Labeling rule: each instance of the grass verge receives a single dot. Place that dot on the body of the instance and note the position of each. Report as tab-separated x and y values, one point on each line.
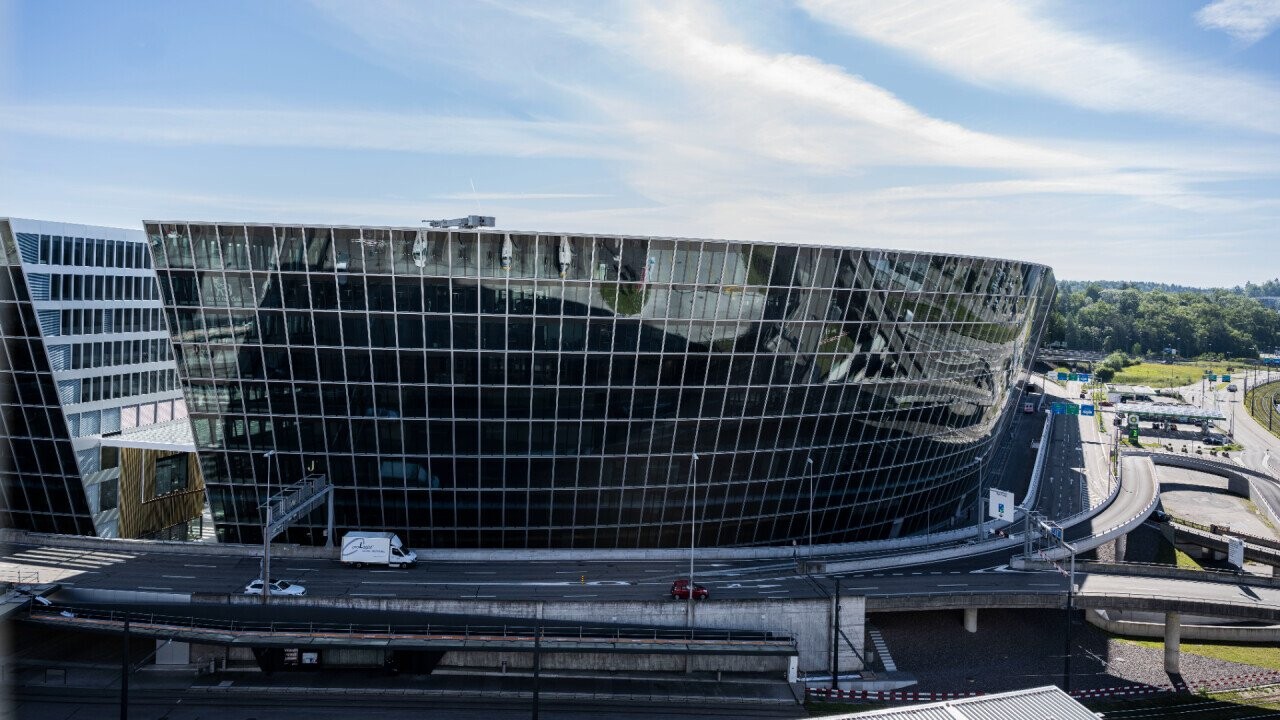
1159	375
1262	656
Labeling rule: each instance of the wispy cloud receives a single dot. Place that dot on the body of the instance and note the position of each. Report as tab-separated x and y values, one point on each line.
250	127
1006	44
517	196
1245	20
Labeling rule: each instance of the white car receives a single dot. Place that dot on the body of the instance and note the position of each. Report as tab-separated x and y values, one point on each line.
278	587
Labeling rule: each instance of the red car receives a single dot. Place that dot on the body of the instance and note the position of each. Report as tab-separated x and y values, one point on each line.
680	590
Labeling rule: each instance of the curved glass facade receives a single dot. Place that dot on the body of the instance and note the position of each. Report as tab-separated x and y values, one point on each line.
484	389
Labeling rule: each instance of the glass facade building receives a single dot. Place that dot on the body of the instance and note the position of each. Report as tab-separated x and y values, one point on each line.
489	389
86	355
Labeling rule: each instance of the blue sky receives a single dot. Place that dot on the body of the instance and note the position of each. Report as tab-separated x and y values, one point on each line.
1110	140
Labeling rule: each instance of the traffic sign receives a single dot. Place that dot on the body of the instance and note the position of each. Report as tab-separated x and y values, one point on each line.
1212	377
1226	378
1085	377
1073	409
1001	505
1062	376
1058	408
1086	410
1073	376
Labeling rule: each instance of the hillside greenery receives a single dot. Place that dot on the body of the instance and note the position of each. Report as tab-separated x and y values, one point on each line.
1144	319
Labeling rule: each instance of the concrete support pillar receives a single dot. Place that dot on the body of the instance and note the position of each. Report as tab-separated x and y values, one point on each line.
1172	642
971	619
1122	547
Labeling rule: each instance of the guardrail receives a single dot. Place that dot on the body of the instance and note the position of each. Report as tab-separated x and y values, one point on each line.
1228	532
513	631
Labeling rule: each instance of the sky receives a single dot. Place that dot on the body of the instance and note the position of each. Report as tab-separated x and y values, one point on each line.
1108	139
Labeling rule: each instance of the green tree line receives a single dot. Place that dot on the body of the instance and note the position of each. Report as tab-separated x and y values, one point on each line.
1226	323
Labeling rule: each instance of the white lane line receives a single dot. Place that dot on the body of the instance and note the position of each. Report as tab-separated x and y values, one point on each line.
579	596
1052	585
867	587
480	572
477	597
953	584
199	566
178	577
150	587
373	594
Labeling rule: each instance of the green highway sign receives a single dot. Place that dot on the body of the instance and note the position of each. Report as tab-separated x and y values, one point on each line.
1212	377
1226	378
1073	376
1073	409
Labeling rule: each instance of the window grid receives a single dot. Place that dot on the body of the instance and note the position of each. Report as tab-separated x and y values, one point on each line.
562	424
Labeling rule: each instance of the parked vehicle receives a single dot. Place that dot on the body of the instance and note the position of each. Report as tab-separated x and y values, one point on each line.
376	548
680	590
278	587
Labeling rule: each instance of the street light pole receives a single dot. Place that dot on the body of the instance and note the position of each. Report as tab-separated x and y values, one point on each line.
266	534
808	466
693	532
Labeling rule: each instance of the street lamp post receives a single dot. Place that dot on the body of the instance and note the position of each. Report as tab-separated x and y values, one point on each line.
808	467
266	533
693	532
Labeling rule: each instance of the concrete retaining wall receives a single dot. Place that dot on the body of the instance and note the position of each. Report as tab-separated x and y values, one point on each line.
806	620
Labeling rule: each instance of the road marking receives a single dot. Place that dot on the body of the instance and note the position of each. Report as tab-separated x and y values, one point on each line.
149	587
579	596
178	577
953	584
199	566
478	597
373	594
1053	585
480	572
868	587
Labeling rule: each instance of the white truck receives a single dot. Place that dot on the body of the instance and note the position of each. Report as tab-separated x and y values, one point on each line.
376	548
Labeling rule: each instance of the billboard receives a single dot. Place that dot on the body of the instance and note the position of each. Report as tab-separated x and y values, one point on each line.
1001	507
